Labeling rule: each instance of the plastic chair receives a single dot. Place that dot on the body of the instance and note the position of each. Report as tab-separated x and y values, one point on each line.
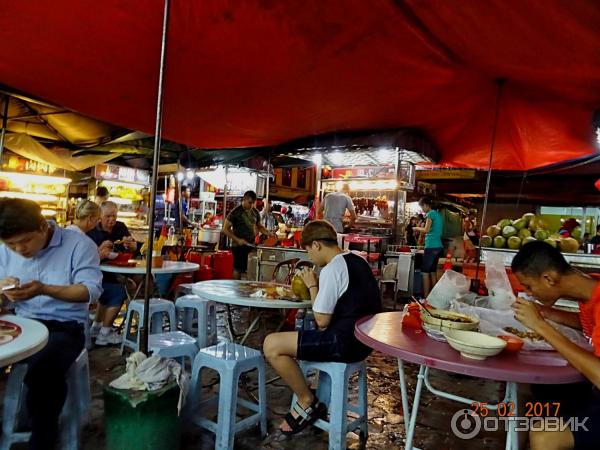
74	414
158	308
302	264
288	264
190	307
230	361
173	344
333	391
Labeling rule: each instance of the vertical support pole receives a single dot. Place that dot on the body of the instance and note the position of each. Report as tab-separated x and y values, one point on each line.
4	125
154	185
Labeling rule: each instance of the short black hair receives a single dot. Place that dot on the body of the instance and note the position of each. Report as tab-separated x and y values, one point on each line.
429	201
251	195
19	216
537	257
101	191
598	229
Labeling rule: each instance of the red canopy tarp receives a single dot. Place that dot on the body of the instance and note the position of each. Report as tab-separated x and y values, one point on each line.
263	72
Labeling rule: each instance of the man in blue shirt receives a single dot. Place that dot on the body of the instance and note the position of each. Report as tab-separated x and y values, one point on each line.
55	274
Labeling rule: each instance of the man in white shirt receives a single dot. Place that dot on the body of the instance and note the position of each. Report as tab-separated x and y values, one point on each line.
345	291
334	206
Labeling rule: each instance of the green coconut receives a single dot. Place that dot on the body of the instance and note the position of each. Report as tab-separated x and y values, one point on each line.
499	242
299	288
494	231
527	218
487	241
576	234
537	223
524	233
509	231
552	242
569	245
514	243
519	224
541	235
529	239
504	223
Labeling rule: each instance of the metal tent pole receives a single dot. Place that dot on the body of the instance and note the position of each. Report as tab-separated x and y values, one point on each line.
500	82
154	186
4	124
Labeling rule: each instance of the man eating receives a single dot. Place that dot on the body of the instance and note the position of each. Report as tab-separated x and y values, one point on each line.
345	291
50	274
547	276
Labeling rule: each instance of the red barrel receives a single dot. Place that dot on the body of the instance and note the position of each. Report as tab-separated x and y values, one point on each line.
223	265
204	273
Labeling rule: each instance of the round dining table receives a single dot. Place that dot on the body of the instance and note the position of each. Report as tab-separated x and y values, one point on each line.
384	332
239	293
168	267
33	337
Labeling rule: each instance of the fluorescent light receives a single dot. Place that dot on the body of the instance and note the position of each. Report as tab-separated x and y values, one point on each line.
29	196
127	214
179	176
317	159
48	212
120	201
111	184
21	178
337	158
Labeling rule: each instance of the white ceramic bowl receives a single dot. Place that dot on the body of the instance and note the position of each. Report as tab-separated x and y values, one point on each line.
445	322
474	345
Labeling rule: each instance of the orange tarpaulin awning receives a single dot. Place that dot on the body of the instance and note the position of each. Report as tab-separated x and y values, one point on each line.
264	72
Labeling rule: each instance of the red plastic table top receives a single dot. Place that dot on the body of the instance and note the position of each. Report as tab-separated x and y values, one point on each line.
384	333
360	239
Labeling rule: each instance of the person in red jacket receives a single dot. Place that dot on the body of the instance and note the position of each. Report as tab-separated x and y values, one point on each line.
547	276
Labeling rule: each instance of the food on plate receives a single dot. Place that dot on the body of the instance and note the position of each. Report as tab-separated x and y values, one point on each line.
7	329
459	319
273	292
524	334
513	344
5	338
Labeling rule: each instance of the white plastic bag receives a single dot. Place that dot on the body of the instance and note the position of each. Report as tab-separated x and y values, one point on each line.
497	283
493	322
451	286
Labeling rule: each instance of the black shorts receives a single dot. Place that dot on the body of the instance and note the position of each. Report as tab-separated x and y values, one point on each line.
240	257
326	346
431	257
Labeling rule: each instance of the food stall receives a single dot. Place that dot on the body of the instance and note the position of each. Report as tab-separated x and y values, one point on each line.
42	183
128	188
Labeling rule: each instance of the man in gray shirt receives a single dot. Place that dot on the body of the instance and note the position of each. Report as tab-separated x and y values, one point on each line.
334	208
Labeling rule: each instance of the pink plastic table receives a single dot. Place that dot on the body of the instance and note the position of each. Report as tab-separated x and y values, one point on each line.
383	332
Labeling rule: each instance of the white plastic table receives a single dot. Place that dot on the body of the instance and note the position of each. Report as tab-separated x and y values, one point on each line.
231	292
169	267
33	338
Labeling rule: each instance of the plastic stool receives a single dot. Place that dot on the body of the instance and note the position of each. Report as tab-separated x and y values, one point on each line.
74	414
230	360
173	344
158	307
333	391
192	306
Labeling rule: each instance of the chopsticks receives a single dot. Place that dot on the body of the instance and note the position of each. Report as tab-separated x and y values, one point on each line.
423	306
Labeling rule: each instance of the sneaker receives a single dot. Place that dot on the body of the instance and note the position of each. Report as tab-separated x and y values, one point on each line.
95	331
112	338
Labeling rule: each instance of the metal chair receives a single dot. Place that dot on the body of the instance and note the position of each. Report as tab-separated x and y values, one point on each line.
288	264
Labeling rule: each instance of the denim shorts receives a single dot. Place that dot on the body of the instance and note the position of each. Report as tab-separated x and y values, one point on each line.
326	346
431	257
113	295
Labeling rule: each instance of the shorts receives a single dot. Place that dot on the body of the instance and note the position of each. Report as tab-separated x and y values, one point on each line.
580	400
325	346
240	257
431	257
113	295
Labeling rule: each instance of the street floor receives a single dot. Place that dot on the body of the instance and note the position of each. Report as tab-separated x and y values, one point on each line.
386	421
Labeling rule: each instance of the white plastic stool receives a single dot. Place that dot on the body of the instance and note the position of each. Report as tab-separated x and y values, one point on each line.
74	414
173	344
190	307
333	391
158	308
230	361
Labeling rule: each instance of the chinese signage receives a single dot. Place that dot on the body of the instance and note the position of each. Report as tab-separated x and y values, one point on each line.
452	174
14	163
364	172
121	173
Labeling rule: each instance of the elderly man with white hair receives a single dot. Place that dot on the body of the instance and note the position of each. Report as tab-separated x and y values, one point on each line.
108	233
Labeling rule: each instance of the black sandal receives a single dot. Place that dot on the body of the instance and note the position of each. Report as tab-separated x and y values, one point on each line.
306	417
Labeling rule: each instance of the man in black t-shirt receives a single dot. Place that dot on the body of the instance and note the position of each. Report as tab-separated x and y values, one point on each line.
108	233
241	226
596	239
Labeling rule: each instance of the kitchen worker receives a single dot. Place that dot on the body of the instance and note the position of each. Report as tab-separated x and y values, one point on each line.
241	226
334	207
56	274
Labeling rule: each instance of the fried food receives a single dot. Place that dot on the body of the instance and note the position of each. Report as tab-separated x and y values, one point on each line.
524	334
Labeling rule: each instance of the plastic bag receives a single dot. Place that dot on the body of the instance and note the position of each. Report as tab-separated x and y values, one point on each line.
492	322
451	286
497	283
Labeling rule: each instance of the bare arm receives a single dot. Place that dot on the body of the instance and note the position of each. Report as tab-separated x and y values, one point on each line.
426	228
322	320
568	318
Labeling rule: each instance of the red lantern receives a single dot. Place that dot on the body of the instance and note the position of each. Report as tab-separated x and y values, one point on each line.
597	184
